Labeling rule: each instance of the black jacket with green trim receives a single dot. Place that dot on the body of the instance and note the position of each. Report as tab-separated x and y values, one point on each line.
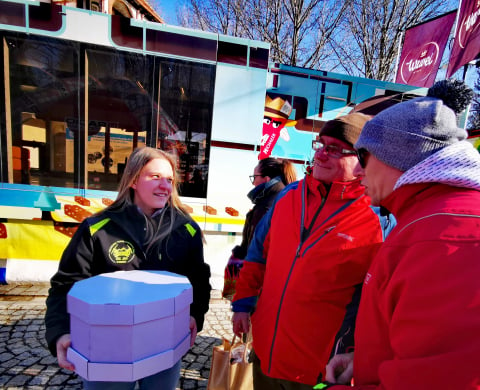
114	241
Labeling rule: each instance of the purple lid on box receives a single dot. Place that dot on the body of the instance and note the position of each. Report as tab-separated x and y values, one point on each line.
129	297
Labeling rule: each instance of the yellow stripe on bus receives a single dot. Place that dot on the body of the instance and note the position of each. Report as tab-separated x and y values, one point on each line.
218	220
36	240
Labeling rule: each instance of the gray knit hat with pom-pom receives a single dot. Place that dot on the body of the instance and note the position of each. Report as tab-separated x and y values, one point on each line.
405	134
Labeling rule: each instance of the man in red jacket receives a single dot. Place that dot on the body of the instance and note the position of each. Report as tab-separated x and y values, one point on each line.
419	318
306	264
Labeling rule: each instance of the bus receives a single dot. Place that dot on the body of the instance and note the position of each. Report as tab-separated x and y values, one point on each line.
81	90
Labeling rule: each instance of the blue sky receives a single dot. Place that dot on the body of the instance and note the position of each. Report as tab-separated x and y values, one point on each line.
167	9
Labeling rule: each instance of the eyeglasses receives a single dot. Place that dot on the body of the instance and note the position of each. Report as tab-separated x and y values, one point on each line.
362	155
252	177
332	150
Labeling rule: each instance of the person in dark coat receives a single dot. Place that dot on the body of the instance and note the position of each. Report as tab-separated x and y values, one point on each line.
270	176
148	217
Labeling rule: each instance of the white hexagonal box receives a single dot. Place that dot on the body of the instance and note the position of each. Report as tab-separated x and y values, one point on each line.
126	325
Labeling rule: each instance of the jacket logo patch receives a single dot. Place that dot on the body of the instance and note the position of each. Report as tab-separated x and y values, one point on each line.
368	277
121	252
345	236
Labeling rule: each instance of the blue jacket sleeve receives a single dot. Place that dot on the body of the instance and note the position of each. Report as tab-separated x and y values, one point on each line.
251	275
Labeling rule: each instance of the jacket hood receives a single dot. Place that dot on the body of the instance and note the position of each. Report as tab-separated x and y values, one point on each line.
457	165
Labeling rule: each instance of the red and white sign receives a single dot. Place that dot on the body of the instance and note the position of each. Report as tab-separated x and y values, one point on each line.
423	50
466	45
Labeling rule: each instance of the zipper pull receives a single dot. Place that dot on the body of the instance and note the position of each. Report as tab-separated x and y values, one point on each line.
298	250
329	229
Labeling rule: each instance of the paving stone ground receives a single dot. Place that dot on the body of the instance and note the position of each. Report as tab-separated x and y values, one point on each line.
25	362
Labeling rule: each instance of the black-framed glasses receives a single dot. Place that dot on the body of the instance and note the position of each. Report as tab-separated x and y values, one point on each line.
362	155
332	150
252	177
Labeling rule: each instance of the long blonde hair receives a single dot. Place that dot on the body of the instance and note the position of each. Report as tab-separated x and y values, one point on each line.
126	194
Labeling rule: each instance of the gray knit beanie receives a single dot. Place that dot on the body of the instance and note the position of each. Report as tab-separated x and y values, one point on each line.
405	134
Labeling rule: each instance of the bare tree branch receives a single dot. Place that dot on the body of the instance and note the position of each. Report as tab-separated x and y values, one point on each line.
298	30
358	37
376	28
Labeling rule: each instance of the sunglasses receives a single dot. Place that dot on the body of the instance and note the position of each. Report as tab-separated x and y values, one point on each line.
362	155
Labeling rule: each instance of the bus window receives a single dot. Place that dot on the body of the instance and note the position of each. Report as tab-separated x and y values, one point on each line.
186	97
121	112
42	77
127	110
127	100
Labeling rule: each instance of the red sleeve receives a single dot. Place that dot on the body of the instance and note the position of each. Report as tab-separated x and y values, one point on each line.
250	280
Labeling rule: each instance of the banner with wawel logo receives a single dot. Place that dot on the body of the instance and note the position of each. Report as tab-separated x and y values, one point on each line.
422	51
466	44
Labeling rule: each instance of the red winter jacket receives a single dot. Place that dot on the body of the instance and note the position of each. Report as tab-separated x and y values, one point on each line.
306	284
419	320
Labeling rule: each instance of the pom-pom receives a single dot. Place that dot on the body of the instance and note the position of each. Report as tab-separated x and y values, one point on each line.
454	94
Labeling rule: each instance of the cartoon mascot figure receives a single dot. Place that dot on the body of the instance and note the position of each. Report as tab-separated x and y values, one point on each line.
275	118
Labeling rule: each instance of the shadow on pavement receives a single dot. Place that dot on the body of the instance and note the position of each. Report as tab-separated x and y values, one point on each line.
26	363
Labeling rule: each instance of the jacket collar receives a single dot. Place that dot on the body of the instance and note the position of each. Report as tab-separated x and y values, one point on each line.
337	190
402	199
131	216
262	190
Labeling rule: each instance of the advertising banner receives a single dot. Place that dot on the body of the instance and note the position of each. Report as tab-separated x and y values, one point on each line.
275	120
423	49
466	44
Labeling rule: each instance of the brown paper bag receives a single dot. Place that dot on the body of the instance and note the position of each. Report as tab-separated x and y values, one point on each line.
230	369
